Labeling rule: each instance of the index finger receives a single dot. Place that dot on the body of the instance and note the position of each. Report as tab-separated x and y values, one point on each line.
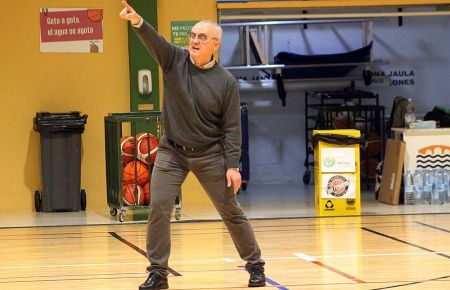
236	186
125	3
236	189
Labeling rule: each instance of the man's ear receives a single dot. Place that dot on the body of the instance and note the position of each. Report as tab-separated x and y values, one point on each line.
217	45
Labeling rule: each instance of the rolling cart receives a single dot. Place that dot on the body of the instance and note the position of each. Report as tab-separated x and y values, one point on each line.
135	126
346	109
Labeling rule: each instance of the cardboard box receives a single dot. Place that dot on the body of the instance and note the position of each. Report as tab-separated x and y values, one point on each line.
392	172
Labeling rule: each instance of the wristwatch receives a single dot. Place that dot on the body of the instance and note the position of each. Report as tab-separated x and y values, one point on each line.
235	169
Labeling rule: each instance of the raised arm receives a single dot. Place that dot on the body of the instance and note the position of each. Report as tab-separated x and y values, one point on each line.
162	51
128	13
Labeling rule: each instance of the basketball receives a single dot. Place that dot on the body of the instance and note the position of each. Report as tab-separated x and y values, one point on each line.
95	15
343	122
132	195
373	148
146	153
140	135
125	160
135	170
127	145
147	193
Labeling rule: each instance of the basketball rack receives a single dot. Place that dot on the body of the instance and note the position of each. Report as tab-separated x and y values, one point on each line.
118	125
345	109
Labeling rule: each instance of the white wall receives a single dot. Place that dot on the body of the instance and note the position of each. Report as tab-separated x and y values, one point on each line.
418	51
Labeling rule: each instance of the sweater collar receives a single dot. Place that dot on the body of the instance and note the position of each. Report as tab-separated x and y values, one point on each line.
206	66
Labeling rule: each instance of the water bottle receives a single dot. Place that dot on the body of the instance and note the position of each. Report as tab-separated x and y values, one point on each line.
410	116
446	178
409	188
440	188
427	187
434	192
418	186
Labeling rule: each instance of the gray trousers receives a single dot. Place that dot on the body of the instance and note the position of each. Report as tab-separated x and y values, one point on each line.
170	170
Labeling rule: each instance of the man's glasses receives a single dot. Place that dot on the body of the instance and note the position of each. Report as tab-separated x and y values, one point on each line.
202	38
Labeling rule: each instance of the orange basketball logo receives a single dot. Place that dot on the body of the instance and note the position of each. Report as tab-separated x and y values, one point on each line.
337	186
434	149
95	15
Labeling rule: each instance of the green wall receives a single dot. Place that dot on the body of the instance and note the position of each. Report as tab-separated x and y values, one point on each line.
140	59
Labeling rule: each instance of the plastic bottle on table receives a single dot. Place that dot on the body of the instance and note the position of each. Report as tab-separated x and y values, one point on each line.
448	185
418	186
410	116
427	187
409	188
446	180
440	188
434	194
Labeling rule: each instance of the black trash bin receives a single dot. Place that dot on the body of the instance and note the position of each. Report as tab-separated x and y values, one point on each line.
60	138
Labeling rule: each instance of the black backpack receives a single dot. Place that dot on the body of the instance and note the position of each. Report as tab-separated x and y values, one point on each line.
397	117
439	114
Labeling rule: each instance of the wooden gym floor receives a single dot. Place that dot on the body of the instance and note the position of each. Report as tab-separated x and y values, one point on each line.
409	251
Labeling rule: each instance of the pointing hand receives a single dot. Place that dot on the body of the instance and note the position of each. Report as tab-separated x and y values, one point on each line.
128	13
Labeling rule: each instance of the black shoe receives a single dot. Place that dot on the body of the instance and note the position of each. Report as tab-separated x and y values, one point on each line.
155	281
257	279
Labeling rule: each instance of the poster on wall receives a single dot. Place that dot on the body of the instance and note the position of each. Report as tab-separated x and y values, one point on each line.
179	31
71	30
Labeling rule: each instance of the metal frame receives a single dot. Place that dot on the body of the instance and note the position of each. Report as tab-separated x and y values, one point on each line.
262	14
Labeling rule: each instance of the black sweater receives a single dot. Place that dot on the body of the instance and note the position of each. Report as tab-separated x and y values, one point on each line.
200	106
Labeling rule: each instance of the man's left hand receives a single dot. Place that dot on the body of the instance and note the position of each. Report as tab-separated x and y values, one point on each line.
233	178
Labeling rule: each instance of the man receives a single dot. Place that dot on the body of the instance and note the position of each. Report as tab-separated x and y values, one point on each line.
202	134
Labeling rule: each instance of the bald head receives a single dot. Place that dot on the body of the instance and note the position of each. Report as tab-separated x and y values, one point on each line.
212	26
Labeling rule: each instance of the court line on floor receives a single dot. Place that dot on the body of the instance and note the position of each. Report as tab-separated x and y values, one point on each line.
268	280
409	244
381	254
64	277
273	283
405	242
68	265
276	284
114	276
64	280
215	220
332	269
139	250
433	227
304	227
411	283
399	285
228	260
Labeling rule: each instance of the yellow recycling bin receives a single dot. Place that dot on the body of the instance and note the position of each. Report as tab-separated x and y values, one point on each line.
336	172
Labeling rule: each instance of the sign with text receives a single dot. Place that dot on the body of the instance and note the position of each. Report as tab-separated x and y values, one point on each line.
338	160
179	30
71	30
